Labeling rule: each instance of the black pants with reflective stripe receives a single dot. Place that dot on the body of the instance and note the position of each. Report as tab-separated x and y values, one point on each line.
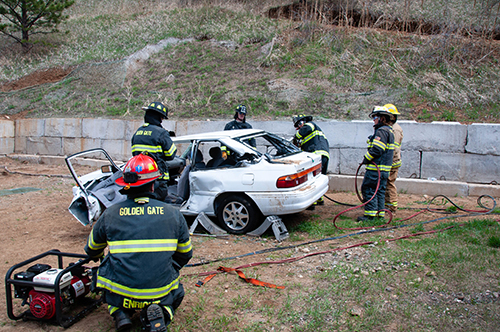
368	189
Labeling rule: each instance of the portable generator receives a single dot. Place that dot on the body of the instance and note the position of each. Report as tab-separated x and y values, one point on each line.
52	294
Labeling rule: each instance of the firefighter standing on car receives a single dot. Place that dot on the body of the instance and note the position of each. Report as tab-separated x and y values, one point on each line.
148	244
380	152
310	138
152	138
391	193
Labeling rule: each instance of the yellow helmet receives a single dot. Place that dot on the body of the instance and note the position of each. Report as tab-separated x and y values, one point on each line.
393	110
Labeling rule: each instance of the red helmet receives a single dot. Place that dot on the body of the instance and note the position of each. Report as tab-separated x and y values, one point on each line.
139	170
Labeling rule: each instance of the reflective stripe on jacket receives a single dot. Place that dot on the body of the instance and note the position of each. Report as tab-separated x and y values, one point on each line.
148	243
156	141
313	139
380	149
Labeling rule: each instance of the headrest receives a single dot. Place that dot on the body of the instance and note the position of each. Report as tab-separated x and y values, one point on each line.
215	152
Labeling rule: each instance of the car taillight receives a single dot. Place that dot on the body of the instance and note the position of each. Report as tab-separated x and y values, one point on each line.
293	180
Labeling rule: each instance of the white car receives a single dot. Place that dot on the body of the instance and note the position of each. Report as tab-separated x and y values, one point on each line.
238	177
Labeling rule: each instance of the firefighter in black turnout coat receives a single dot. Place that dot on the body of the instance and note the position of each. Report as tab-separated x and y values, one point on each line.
380	152
152	138
148	244
240	122
310	138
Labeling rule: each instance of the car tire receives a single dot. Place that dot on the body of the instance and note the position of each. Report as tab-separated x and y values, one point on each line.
237	214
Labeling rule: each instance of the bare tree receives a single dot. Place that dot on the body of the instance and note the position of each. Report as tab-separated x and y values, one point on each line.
21	19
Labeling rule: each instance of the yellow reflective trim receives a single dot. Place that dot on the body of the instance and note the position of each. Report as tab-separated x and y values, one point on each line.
95	246
322	153
378	143
120	247
184	247
170	151
147	148
137	293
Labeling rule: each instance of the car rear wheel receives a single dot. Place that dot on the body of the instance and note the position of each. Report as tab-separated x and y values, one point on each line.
237	215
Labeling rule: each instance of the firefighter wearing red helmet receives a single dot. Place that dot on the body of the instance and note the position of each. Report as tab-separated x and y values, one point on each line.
152	138
380	152
148	243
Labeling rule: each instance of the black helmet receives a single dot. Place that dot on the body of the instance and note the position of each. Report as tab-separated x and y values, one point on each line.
158	107
241	109
301	117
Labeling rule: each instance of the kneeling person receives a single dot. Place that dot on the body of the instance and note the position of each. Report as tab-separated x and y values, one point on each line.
148	244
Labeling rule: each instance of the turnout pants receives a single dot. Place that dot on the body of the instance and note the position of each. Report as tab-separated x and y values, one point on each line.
168	303
391	193
368	189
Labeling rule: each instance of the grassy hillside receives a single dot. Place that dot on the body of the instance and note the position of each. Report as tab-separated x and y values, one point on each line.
278	67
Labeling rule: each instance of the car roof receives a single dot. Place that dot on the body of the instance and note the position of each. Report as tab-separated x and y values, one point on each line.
215	135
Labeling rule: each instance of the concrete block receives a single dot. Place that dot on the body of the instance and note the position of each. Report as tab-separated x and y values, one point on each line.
20	144
130	129
63	127
342	183
181	128
427	187
461	167
7	128
103	128
349	160
205	126
117	149
30	127
44	145
483	138
72	145
334	162
342	134
7	145
435	136
280	128
410	167
91	143
485	189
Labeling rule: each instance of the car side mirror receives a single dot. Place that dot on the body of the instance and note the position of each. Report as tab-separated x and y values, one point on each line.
106	169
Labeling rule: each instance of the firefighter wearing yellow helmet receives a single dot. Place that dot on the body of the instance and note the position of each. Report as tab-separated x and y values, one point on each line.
391	193
379	154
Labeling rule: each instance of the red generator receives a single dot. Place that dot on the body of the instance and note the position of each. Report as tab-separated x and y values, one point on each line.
52	294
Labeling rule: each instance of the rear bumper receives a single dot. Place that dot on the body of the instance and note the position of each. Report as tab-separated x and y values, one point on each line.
287	202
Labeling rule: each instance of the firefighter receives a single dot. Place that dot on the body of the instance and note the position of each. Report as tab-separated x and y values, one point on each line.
239	122
152	138
310	138
148	244
391	193
380	152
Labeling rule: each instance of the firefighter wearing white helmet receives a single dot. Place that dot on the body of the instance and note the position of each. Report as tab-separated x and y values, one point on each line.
379	154
391	193
148	244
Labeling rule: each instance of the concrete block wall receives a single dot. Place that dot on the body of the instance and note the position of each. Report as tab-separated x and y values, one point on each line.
442	150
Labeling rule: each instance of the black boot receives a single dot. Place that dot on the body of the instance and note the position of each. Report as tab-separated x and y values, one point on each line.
365	218
122	320
156	318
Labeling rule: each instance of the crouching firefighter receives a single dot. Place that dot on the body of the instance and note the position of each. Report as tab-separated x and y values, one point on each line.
380	152
148	244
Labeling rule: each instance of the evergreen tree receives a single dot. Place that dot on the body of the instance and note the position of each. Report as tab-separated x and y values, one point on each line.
21	19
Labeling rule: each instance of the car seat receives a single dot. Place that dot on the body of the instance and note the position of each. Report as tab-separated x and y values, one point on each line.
198	160
216	154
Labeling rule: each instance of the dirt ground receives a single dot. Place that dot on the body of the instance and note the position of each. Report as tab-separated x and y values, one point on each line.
37	221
